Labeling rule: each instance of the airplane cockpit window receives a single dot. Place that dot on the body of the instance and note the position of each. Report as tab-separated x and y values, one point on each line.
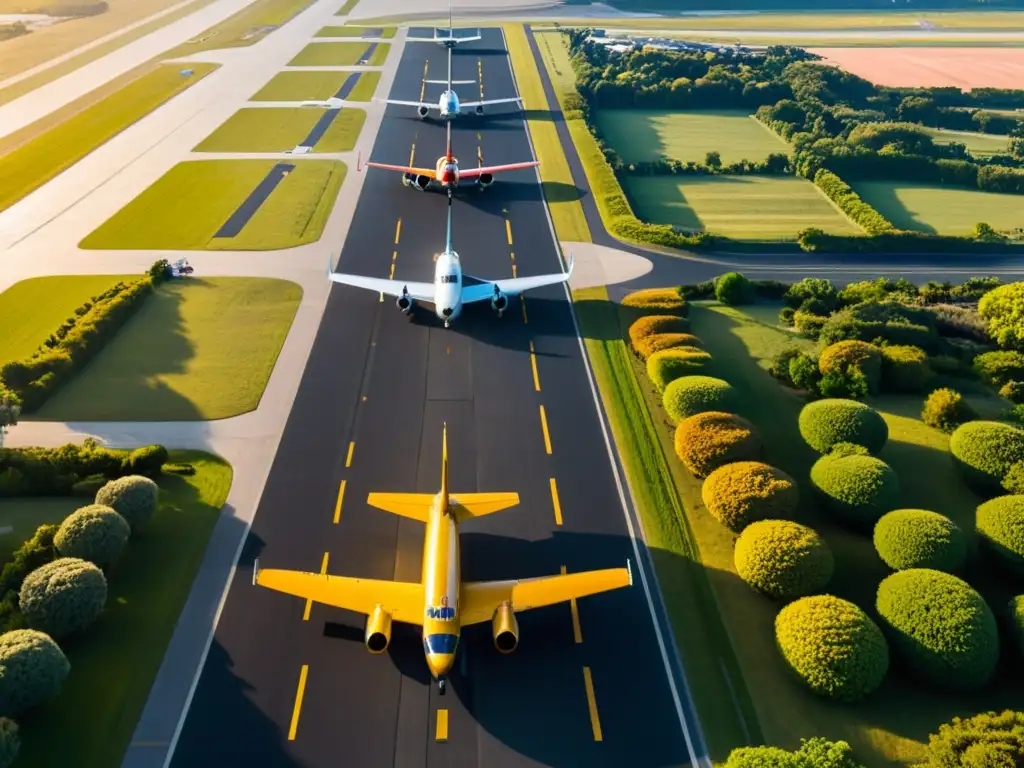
452	278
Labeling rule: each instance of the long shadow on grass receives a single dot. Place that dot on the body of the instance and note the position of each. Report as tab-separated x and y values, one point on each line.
885	200
642	141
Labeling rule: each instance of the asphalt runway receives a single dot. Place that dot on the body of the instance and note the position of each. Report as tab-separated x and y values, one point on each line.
368	414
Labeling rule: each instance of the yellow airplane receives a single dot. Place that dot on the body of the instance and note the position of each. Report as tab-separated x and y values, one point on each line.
440	602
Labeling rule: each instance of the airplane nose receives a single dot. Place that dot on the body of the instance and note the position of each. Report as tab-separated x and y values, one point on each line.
440	664
447	311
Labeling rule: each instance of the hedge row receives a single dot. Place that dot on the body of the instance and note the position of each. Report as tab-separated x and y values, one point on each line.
850	203
73	469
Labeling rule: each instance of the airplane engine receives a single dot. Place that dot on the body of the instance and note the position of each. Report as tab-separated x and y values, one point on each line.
420	182
505	629
423	111
404	303
479	109
499	303
486	179
378	630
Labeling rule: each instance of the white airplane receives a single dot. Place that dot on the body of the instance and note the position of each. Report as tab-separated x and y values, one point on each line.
448	39
448	104
447	293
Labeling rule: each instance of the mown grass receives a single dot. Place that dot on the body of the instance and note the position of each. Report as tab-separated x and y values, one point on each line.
940	210
347	31
198	349
114	663
380	53
566	210
23	516
34	163
259	129
347	7
315	85
186	207
978	144
247	27
366	87
747	207
330	54
30	310
649	134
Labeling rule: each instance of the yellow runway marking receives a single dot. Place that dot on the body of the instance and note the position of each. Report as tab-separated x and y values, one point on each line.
309	603
577	635
544	426
508	230
423	86
392	275
479	77
513	270
298	702
442	725
479	157
412	153
337	504
555	503
398	231
595	722
351	448
512	255
533	364
394	255
522	303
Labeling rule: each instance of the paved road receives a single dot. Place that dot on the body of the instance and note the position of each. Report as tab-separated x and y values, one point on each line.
369	410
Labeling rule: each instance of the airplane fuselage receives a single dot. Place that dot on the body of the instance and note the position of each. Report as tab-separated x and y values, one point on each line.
448	287
442	583
447	172
448	104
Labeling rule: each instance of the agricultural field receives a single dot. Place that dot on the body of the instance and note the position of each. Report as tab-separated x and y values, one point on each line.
187	206
280	129
940	210
748	207
648	134
198	349
314	85
337	55
978	144
932	67
836	21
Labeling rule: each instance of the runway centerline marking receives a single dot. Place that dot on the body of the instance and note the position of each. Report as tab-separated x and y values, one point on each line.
595	721
309	603
412	154
337	504
558	509
533	364
392	275
522	303
348	459
298	702
480	76
513	270
398	231
577	635
423	85
508	230
544	426
441	733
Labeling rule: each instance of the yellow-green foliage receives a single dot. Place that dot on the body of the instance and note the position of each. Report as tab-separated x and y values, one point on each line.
665	299
706	441
744	492
826	423
651	325
659	341
669	364
691	395
984	451
1000	524
858	489
782	559
844	356
917	538
905	368
832	646
1015	621
32	670
945	409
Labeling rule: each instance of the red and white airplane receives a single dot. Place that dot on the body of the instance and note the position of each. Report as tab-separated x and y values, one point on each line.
446	174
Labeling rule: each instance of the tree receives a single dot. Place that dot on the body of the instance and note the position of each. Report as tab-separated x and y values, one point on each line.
1003	309
813	753
990	739
713	160
9	412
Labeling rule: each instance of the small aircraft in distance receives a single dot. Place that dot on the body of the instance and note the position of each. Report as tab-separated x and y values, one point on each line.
446	174
441	603
448	39
447	293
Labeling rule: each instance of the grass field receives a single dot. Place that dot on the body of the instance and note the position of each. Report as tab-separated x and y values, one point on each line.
331	54
749	207
34	163
199	349
115	662
312	85
346	31
648	134
978	144
260	129
185	207
247	27
941	210
32	309
23	516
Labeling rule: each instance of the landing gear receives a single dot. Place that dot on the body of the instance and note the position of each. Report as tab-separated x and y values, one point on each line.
441	687
447	324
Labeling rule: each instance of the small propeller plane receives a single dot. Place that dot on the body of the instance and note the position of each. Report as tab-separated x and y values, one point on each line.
447	293
448	39
447	175
441	603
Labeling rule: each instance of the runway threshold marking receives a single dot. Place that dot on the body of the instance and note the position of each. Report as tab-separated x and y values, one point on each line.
544	426
576	634
441	734
595	721
533	364
480	76
558	512
337	504
298	702
348	459
309	603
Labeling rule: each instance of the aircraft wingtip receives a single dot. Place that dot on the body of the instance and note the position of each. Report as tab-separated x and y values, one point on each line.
629	571
255	570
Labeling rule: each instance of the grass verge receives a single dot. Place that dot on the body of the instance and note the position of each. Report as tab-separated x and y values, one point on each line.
34	163
347	31
114	664
186	207
330	55
380	54
259	129
347	7
198	349
315	85
247	27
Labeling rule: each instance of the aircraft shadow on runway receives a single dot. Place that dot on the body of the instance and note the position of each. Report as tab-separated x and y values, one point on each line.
470	52
502	192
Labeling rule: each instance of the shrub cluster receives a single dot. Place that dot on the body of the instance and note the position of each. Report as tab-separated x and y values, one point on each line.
32	670
744	492
134	497
945	409
832	646
710	439
987	740
917	538
661	341
661	299
95	533
691	395
825	423
1001	309
733	288
858	489
782	559
63	597
1015	623
905	368
850	203
56	471
847	357
648	326
943	630
1000	526
813	753
670	364
1000	367
984	452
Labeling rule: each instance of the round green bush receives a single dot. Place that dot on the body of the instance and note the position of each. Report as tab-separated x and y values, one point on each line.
1000	525
670	364
940	626
94	533
10	742
707	441
945	409
984	451
691	395
783	559
734	288
986	740
857	489
844	356
744	492
832	646
32	670
917	538
905	368
63	597
134	497
1015	623
824	423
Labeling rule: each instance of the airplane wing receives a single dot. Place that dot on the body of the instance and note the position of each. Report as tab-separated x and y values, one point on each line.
405	169
403	600
469	505
479	600
418	291
470	173
511	287
429	105
454	82
412	505
517	99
